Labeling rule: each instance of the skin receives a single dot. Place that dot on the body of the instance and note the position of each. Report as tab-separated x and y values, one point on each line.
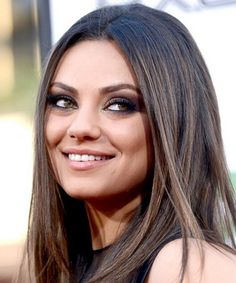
219	265
95	108
92	74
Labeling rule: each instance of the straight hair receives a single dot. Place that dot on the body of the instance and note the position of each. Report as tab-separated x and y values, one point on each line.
189	193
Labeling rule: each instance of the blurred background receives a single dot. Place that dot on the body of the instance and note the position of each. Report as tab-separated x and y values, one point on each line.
19	75
27	30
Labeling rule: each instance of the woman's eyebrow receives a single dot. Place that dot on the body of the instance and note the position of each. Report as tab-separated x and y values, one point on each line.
102	90
64	86
117	87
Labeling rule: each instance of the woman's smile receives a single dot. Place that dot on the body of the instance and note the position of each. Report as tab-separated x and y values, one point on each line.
85	159
129	172
97	129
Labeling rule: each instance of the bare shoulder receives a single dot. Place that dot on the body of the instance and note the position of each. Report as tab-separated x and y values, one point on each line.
219	266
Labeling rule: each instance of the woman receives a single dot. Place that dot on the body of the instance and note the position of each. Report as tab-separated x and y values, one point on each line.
130	177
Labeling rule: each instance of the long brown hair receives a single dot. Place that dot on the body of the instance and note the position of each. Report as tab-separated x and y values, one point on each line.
190	192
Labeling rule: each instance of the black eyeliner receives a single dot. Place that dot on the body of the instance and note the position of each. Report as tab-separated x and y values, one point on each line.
52	100
123	101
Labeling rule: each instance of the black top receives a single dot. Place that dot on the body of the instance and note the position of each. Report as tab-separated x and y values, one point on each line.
143	271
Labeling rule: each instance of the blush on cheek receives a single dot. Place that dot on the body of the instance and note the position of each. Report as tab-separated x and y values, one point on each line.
54	131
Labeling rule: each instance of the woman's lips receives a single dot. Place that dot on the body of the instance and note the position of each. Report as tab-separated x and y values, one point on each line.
87	157
86	161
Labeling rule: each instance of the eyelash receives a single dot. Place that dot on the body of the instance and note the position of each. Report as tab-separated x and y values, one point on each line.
53	100
124	102
130	106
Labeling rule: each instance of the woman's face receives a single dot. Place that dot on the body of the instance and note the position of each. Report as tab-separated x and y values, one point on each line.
97	130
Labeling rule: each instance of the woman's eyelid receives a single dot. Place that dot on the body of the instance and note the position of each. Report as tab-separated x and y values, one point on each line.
131	96
121	99
57	92
55	99
130	102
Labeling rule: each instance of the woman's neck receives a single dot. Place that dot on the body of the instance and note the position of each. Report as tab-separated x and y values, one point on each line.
107	224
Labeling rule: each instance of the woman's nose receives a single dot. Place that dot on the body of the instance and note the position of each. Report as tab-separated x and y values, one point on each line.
84	125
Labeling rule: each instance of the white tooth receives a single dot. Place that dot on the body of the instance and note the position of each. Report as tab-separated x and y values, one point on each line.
77	157
91	157
74	157
84	157
71	156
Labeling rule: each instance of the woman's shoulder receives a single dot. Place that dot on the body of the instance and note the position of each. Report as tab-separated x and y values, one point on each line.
219	265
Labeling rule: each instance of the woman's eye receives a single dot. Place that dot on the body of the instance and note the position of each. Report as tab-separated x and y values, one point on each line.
122	105
61	102
64	103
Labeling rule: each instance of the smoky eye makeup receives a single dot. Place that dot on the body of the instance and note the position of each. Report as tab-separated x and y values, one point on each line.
121	105
61	101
